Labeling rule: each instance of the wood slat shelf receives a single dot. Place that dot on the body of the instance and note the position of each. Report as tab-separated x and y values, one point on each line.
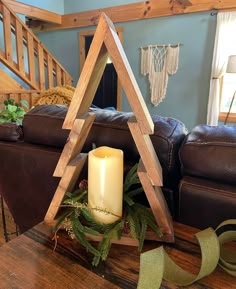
106	42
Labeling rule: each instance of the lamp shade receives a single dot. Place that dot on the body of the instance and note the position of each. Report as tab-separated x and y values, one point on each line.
231	66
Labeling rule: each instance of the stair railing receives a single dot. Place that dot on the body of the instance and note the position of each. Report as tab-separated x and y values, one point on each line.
23	53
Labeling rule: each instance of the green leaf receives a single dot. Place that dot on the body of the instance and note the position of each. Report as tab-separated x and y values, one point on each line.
11	108
3	120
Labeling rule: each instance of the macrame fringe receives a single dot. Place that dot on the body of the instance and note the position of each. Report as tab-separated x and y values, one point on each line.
159	62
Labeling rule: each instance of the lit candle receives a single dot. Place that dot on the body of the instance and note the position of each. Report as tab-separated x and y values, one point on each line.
105	184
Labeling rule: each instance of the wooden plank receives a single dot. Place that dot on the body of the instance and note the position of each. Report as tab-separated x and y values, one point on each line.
35	251
66	184
136	11
206	5
19	47
157	203
31	95
127	240
33	11
58	75
89	78
41	66
68	79
7	35
50	71
147	152
76	140
7	91
30	54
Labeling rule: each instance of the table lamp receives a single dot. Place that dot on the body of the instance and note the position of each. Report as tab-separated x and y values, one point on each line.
231	68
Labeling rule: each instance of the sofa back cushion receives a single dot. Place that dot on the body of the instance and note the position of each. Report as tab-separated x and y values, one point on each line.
210	152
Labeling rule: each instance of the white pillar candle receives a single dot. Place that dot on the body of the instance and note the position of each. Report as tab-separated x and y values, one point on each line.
105	183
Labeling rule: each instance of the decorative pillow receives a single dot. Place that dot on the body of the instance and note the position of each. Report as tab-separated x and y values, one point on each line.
56	95
10	131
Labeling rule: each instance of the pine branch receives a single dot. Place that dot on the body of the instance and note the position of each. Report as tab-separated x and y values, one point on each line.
88	216
77	196
114	232
142	234
80	236
134	222
135	192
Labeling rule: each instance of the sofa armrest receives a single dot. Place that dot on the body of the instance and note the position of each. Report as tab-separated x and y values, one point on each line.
10	131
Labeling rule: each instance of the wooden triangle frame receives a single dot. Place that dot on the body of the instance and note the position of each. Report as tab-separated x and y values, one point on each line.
106	43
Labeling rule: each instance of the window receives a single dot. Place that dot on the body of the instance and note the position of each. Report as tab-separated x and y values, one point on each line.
228	88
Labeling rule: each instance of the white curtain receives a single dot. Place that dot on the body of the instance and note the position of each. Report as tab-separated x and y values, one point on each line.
225	45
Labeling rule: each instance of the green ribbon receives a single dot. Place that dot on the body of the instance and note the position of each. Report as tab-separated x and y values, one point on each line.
156	264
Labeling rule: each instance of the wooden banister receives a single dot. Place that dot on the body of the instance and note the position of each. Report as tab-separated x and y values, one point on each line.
26	56
30	95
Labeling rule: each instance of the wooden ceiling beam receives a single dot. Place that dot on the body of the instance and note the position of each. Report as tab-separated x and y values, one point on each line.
34	12
137	11
131	12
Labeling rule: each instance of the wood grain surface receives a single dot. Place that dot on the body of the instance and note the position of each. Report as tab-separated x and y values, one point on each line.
30	262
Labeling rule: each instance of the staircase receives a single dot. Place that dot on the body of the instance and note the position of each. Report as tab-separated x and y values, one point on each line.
27	59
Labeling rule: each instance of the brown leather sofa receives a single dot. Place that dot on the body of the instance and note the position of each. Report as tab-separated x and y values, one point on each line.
207	193
199	168
27	163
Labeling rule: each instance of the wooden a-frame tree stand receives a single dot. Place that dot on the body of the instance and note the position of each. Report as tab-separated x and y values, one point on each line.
106	43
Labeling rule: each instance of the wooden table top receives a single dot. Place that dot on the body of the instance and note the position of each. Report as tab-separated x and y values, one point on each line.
29	262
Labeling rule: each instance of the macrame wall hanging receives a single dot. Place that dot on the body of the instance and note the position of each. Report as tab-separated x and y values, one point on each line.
159	61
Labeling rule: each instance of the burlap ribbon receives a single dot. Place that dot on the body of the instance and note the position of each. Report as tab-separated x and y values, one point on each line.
156	264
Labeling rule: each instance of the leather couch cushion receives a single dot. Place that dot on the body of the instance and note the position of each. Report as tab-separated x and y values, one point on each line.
24	181
10	131
210	152
43	125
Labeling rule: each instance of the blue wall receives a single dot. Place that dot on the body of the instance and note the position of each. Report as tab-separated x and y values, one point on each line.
187	91
56	6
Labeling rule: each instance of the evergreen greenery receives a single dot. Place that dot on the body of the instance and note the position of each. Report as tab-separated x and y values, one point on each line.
79	222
